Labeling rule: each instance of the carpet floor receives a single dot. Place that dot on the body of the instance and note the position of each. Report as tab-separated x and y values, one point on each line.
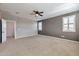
39	45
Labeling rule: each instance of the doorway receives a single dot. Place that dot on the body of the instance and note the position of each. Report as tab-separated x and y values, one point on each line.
10	29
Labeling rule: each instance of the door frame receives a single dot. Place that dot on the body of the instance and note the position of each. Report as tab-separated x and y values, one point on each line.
14	27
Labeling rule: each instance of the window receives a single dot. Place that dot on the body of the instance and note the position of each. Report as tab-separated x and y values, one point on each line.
40	26
69	23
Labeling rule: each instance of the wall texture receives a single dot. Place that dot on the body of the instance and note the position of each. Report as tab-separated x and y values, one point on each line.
53	27
26	28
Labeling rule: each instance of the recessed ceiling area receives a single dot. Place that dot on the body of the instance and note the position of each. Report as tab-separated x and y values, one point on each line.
24	10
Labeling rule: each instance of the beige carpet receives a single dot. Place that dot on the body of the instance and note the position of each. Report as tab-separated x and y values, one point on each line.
39	46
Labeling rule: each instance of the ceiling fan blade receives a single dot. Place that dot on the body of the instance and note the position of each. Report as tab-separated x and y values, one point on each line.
35	11
41	15
41	12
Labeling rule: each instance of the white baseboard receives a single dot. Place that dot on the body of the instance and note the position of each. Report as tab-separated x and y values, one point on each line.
18	37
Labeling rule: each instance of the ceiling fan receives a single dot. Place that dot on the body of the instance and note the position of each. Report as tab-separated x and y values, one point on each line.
37	13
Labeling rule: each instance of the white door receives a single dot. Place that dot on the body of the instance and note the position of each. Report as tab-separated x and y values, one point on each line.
3	30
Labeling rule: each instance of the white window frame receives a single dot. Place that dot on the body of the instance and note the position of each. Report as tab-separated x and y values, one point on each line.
68	23
40	26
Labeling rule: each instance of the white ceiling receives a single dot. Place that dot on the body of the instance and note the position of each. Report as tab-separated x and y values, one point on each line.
49	9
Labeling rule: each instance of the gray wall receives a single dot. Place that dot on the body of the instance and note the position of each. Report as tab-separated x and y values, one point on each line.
53	27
